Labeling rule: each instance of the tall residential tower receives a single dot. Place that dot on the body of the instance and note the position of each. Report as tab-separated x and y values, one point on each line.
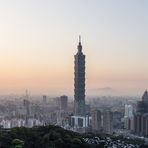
79	82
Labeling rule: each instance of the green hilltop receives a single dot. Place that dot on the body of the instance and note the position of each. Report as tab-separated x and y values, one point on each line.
56	137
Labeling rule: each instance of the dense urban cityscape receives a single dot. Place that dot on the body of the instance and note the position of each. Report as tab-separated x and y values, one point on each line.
126	116
73	74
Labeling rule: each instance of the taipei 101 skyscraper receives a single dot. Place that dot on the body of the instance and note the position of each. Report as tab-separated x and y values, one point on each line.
79	82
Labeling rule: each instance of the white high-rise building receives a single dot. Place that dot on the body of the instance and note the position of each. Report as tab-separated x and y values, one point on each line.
128	111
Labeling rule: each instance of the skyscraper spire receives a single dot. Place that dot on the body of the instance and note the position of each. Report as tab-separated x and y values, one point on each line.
79	45
79	38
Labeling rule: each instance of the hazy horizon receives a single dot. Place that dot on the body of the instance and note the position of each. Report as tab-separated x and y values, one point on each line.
38	40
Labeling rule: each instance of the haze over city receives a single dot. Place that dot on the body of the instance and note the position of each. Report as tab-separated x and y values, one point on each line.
38	40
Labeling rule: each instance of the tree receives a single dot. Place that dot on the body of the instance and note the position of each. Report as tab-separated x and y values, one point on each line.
17	143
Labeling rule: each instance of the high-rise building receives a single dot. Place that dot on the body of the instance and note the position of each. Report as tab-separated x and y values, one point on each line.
128	117
107	122
44	99
140	119
79	82
142	106
27	107
79	122
128	111
96	120
63	102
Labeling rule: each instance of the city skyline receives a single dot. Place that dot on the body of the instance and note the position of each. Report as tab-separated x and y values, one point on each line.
37	44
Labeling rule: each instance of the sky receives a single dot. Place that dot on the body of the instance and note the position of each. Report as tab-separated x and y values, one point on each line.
38	40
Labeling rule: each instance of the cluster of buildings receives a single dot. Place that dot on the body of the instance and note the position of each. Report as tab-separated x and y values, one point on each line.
27	113
102	121
137	121
15	122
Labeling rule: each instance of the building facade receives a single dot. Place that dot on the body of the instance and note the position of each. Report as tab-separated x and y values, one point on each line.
107	122
63	102
96	120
